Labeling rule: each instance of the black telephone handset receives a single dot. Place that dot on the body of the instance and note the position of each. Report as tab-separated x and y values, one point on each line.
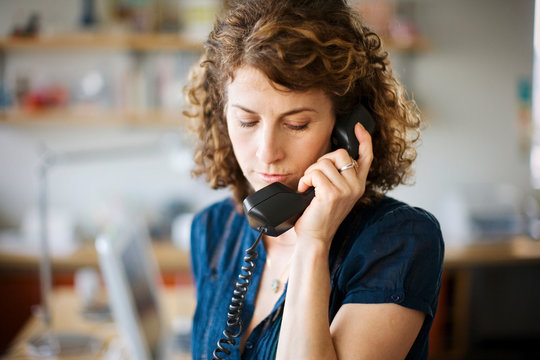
275	208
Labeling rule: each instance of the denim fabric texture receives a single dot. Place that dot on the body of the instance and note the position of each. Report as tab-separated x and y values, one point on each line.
388	252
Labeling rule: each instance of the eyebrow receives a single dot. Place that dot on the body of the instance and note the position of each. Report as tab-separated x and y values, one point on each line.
287	113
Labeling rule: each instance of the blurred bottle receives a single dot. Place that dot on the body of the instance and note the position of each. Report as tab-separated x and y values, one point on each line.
88	14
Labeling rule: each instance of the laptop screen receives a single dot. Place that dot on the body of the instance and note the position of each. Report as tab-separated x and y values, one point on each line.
133	282
145	302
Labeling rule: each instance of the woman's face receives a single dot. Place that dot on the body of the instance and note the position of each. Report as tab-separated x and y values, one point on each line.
276	135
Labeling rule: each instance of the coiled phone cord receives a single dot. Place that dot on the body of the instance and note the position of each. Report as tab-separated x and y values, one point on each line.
235	326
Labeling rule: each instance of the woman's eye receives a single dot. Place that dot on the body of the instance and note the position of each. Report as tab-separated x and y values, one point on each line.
298	127
247	124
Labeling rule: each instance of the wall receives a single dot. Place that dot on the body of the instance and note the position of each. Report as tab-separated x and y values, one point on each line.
467	86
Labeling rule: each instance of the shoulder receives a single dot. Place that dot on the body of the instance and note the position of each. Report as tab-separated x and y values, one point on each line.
215	214
385	224
412	232
398	227
210	223
210	227
394	250
391	211
394	222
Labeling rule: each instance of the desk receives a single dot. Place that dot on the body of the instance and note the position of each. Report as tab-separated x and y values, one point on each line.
170	259
494	252
454	304
65	307
19	276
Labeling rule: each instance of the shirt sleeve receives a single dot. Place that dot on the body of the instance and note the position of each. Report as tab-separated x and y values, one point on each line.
396	259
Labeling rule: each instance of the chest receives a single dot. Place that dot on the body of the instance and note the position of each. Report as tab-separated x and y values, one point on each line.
268	295
215	290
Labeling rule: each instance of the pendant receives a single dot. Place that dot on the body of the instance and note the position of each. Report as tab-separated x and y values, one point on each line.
275	285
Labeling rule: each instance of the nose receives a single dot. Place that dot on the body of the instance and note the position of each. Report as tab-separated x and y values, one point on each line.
270	148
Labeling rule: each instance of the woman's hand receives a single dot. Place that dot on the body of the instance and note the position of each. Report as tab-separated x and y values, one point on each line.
335	192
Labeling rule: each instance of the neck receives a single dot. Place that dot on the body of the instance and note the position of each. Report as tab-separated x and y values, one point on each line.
285	241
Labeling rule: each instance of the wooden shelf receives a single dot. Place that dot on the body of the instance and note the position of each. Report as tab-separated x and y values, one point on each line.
102	41
418	44
144	42
133	42
82	116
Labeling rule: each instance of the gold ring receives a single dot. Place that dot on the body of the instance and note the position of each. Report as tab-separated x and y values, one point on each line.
352	164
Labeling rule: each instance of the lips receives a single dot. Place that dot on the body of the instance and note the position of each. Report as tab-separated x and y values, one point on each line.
272	178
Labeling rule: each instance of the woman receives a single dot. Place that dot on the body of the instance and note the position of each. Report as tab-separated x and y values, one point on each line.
359	274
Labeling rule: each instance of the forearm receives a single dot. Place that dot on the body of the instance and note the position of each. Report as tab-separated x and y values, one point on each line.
305	330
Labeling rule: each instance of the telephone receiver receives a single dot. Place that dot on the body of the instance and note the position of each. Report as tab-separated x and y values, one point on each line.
276	208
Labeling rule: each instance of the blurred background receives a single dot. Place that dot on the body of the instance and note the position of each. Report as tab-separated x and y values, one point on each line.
90	96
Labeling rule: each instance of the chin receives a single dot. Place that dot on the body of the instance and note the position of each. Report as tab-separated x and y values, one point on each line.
259	185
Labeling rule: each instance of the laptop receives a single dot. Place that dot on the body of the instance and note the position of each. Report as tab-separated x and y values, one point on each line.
132	280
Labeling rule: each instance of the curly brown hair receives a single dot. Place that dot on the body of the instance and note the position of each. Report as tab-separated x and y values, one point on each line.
301	45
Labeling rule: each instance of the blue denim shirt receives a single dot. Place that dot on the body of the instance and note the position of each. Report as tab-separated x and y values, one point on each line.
385	253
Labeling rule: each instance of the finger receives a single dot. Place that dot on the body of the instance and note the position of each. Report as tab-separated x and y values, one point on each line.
346	182
317	179
304	183
365	146
340	158
329	169
365	149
